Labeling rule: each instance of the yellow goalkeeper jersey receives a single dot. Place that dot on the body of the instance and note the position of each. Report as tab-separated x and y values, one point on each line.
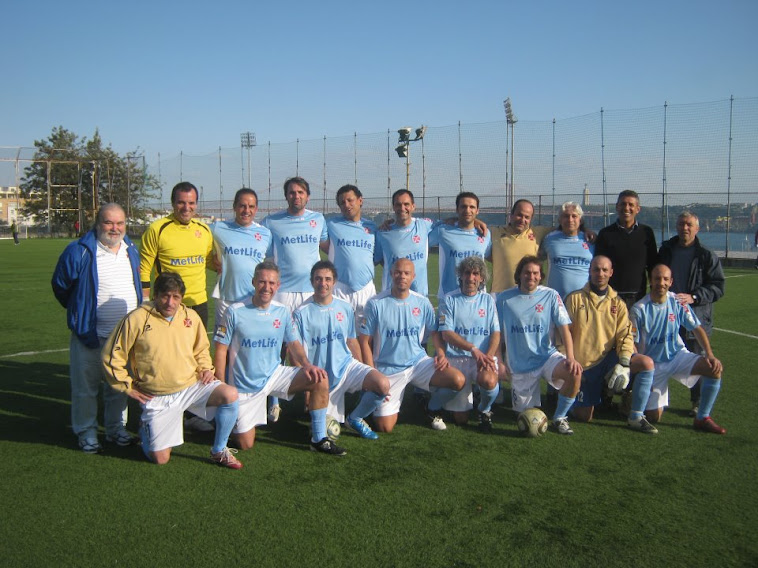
171	246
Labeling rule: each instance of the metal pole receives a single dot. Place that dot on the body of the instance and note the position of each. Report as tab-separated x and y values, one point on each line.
355	156
220	186
729	182
602	166
508	200
513	151
389	178
460	160
297	157
324	209
269	176
664	204
423	178
552	208
49	199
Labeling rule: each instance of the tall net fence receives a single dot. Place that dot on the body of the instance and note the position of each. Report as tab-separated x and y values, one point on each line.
702	156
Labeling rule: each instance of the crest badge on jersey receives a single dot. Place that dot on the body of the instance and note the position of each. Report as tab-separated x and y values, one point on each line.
198	234
482	313
416	239
277	323
672	318
187	322
313	222
539	308
340	316
258	236
416	312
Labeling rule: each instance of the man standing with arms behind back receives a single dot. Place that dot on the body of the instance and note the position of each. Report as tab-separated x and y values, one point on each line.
631	247
97	281
179	243
698	281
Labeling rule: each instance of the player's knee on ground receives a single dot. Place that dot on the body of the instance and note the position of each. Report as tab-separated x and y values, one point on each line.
654	416
385	423
160	458
246	440
461	418
583	413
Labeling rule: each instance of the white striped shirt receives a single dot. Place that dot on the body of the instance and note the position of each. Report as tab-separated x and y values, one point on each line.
116	295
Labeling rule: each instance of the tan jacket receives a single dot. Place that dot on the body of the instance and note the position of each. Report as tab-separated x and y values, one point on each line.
154	355
599	324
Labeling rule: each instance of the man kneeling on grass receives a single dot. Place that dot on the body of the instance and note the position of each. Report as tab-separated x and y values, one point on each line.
159	355
248	347
656	319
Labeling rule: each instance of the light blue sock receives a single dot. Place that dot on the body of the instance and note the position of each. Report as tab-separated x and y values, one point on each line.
487	397
273	401
369	402
318	424
709	389
226	418
440	396
643	381
564	405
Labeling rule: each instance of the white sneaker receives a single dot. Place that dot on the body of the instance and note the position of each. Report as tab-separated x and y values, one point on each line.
198	424
273	413
562	426
438	423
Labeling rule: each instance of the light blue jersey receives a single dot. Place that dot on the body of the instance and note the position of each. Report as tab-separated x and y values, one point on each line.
295	240
656	326
397	328
351	249
527	322
411	242
569	259
254	337
240	250
455	245
325	330
474	318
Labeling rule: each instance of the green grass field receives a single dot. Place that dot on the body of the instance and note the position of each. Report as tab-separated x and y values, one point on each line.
604	497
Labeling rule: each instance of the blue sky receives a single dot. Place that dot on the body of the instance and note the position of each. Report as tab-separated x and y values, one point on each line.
169	76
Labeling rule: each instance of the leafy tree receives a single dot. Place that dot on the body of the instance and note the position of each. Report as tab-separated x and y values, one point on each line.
75	176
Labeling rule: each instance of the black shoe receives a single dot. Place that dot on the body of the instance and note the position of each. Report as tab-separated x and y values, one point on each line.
485	422
326	446
420	399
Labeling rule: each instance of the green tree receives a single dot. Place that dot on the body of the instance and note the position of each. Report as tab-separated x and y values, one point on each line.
71	177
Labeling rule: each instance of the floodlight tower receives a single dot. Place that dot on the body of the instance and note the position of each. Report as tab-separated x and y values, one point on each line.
404	145
247	140
510	121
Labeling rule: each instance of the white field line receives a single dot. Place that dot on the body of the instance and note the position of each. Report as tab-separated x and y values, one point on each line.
29	353
736	333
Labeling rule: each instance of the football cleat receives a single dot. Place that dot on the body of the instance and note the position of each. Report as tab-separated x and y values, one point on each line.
273	413
90	445
226	458
562	426
362	428
437	422
326	446
642	425
695	408
485	422
708	425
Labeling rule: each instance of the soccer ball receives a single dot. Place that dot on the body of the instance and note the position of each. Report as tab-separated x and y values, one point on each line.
532	423
333	429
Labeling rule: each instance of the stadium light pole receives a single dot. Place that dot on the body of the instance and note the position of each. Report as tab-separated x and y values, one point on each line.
510	121
404	146
247	140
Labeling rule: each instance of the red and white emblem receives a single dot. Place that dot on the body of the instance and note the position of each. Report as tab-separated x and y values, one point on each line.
277	323
187	322
585	246
531	236
313	222
672	317
198	234
480	239
340	316
614	309
540	308
258	236
416	239
482	313
416	312
366	229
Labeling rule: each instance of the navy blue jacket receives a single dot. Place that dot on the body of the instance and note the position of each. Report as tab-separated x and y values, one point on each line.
75	285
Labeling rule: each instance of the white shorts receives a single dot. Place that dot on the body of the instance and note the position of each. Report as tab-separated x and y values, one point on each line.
252	410
525	387
293	300
679	369
221	307
352	381
419	376
161	422
464	400
357	299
